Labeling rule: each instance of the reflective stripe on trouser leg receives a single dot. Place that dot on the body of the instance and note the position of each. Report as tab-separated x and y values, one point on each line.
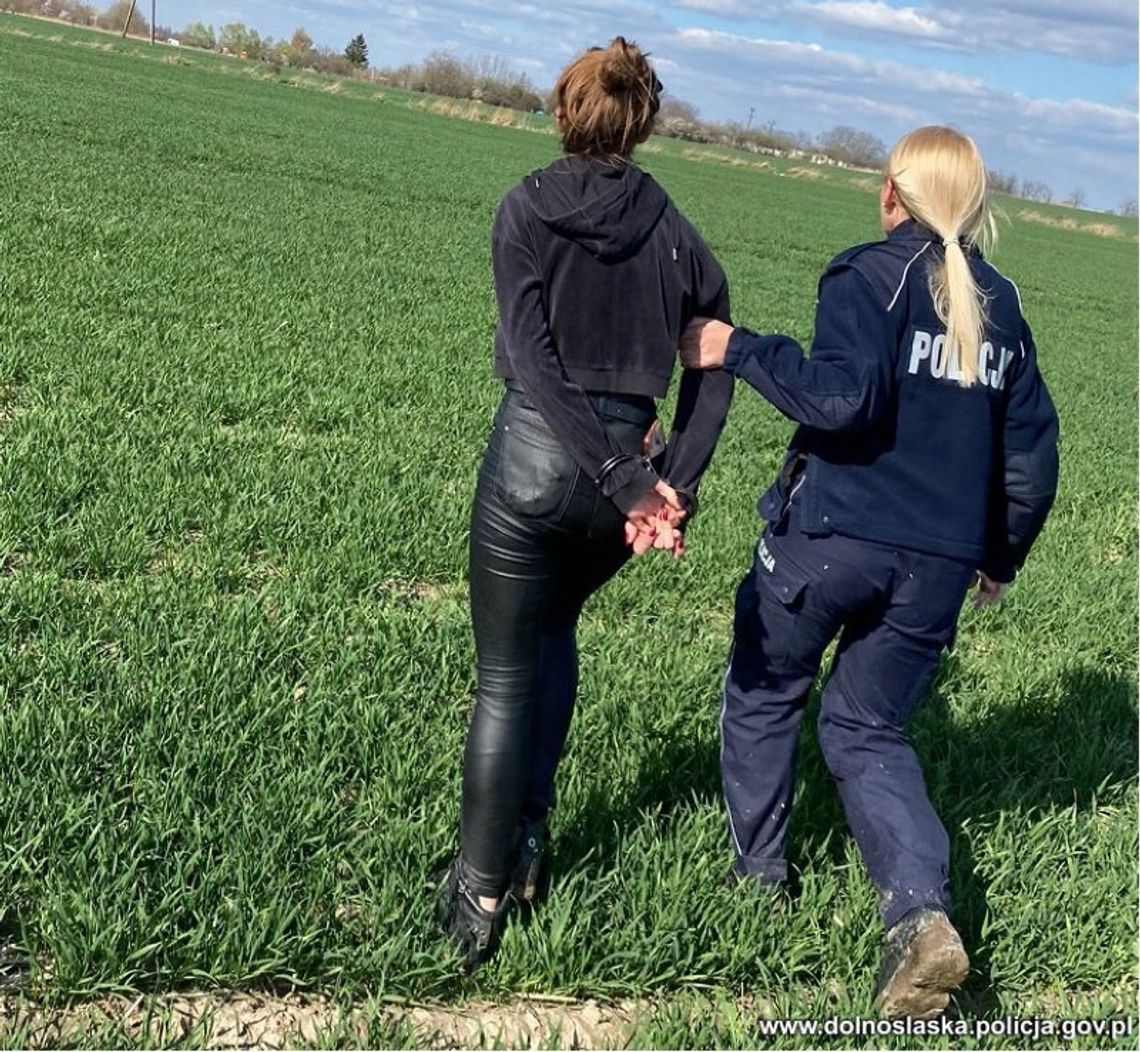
764	696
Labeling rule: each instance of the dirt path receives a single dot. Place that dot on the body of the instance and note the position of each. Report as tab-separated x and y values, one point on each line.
243	1021
227	1020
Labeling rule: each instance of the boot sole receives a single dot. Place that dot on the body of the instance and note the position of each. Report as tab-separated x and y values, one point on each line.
935	964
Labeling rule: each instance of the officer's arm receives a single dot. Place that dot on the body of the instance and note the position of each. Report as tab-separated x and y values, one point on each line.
1027	481
846	382
535	361
705	394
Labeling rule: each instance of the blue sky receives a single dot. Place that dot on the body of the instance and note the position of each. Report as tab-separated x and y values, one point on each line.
1047	87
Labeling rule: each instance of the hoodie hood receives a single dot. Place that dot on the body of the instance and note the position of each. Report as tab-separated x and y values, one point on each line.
608	209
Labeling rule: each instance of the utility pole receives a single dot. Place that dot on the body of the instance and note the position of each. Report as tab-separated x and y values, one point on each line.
152	3
751	114
130	15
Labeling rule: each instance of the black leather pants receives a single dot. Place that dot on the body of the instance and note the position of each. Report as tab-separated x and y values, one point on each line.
543	539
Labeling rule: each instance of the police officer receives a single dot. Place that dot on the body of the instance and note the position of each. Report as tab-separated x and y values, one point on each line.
926	460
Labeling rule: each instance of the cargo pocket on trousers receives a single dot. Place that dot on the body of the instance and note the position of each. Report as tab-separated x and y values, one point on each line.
777	576
536	476
767	606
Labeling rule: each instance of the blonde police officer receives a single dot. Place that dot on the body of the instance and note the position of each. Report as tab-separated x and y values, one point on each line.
926	459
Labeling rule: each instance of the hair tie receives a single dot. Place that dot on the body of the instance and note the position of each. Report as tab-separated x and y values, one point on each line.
948	241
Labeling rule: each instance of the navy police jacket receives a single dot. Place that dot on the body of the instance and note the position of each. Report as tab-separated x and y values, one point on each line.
891	447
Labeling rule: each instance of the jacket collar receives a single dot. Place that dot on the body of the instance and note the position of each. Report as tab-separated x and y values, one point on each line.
912	230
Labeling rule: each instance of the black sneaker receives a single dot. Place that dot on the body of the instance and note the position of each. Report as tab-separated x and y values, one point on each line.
923	961
529	876
475	931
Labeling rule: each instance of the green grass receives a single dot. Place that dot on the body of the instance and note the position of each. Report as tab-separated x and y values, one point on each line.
245	337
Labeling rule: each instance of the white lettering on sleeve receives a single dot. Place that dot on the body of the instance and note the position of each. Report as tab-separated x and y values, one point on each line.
953	362
985	356
938	356
919	350
997	382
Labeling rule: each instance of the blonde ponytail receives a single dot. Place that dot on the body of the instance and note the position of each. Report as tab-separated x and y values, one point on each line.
940	179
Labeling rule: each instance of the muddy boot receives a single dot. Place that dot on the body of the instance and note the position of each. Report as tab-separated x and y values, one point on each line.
529	878
475	931
923	961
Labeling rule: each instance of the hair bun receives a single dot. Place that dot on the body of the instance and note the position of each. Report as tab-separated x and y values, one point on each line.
624	67
606	100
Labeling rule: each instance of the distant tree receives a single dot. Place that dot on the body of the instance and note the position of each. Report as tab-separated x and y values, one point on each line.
239	39
357	51
76	14
325	60
1129	208
1035	191
489	67
1002	182
198	34
299	50
678	119
490	79
116	16
1076	199
405	76
444	74
853	146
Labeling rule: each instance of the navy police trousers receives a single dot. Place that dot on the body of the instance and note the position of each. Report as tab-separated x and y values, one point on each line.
894	611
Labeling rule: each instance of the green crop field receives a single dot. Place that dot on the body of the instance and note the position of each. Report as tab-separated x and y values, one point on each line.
245	346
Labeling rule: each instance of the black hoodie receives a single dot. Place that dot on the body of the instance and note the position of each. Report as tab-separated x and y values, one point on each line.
596	275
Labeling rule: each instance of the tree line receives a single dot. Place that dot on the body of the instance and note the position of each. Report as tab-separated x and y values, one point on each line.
489	79
235	38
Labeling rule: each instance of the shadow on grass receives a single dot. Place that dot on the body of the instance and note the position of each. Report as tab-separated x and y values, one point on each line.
1031	754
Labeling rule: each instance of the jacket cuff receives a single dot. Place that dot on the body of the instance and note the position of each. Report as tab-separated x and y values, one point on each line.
689	499
737	349
999	571
629	482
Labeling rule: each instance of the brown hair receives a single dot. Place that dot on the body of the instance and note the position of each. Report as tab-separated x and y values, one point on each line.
607	99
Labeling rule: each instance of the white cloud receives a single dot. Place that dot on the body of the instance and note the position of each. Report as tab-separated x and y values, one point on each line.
874	15
839	108
1066	142
815	64
1093	30
730	8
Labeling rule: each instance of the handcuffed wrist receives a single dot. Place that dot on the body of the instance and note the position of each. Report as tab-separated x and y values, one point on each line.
628	481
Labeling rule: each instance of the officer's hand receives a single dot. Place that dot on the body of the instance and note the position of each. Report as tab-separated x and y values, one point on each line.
704	343
989	592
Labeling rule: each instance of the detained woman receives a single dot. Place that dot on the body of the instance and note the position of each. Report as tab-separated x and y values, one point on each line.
926	459
596	276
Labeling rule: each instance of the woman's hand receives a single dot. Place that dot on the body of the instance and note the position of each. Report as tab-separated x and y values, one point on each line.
704	343
655	522
989	592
